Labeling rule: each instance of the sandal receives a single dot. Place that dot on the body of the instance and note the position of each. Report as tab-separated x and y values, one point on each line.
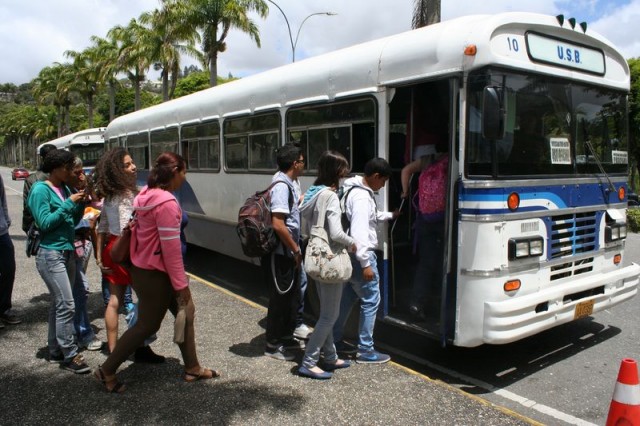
111	386
203	374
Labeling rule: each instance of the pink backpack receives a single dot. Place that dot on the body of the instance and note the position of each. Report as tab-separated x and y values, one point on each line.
432	186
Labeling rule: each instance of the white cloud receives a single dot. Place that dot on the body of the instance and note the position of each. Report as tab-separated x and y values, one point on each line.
35	33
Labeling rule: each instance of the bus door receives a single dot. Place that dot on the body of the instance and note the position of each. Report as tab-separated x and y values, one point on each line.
420	141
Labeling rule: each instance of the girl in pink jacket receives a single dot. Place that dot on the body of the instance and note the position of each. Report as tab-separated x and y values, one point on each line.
157	273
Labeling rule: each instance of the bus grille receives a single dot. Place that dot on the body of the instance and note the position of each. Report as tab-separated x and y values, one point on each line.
570	235
573	234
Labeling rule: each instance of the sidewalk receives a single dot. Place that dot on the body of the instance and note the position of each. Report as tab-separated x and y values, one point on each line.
253	389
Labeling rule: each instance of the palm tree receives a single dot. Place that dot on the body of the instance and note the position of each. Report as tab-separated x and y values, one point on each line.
214	18
425	12
134	52
88	81
53	86
107	56
171	37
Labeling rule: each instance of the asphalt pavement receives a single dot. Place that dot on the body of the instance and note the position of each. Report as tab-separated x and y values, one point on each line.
253	389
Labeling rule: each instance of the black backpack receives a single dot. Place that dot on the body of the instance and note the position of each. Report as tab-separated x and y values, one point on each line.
254	227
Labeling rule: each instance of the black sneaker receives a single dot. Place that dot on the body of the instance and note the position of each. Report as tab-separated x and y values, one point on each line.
146	355
76	365
55	359
10	319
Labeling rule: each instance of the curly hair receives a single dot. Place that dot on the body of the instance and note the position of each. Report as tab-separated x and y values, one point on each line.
56	159
109	177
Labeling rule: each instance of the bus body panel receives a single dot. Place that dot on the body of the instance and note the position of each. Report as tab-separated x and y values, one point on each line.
481	225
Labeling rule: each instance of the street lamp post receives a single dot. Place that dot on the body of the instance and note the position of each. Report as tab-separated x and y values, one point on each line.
295	43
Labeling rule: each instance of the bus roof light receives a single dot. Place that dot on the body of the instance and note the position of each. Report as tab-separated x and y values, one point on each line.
583	25
617	259
560	19
471	50
572	22
513	201
512	285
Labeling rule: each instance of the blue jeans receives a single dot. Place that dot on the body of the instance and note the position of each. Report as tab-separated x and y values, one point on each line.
322	337
368	292
81	322
303	290
7	271
58	270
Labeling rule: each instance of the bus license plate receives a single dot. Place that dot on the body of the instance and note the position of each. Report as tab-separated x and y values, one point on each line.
584	309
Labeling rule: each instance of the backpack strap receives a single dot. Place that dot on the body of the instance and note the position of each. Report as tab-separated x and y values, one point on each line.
274	183
346	223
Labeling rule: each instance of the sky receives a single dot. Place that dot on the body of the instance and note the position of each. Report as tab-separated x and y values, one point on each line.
36	33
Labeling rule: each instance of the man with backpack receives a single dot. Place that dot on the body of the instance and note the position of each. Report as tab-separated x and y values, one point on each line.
362	216
281	267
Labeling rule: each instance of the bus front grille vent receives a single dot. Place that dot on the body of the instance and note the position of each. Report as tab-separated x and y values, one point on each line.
569	269
573	234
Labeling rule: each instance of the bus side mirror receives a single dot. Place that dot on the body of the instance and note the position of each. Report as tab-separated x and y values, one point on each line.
493	113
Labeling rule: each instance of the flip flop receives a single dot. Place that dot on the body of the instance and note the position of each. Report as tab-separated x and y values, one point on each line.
118	387
201	375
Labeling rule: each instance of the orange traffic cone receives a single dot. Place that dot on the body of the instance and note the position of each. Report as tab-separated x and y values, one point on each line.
625	404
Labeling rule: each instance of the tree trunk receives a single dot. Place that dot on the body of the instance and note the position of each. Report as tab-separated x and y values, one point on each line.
165	84
112	101
90	109
213	67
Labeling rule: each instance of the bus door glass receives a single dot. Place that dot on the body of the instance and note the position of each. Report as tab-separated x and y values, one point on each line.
419	147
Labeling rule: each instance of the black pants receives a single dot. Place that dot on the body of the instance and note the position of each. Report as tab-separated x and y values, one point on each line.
7	272
428	278
283	281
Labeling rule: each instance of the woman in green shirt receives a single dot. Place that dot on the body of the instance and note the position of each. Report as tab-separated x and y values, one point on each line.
56	212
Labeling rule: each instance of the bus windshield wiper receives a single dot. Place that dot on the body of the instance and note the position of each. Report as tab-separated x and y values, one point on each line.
611	188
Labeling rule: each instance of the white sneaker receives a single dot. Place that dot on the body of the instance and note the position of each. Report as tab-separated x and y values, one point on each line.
94	345
302	332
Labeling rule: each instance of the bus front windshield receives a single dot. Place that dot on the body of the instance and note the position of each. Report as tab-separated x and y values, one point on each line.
552	127
88	153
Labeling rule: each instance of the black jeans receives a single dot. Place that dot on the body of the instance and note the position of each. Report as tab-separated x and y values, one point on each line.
283	281
428	277
7	271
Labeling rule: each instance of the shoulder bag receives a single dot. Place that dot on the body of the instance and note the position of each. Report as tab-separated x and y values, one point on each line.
120	250
326	261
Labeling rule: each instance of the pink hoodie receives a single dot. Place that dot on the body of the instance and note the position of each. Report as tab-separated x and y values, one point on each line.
155	242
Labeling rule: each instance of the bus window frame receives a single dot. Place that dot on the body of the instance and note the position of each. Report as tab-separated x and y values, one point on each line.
247	134
161	132
334	124
140	165
212	138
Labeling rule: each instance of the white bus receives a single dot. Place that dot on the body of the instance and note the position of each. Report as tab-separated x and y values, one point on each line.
534	235
87	144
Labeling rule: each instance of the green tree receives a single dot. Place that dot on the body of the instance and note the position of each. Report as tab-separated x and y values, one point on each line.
425	12
108	58
171	37
86	67
215	18
53	86
634	119
134	53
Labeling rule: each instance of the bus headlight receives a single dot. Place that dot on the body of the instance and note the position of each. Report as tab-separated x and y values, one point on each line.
525	247
615	232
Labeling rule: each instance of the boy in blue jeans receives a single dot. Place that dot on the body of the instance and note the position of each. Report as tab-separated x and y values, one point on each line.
364	285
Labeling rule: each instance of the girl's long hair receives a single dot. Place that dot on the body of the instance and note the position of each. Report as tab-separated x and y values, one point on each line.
331	167
109	177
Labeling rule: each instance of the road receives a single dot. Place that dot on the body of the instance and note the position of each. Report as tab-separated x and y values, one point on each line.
562	376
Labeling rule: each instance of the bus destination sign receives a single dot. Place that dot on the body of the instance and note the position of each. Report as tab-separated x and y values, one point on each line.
565	54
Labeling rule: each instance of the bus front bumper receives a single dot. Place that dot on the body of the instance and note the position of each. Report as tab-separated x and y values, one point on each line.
513	319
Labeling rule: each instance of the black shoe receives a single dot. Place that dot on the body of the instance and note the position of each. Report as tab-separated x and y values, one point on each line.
417	313
56	358
10	319
146	355
76	365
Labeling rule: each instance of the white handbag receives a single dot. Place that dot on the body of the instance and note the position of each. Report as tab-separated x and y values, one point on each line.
324	260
